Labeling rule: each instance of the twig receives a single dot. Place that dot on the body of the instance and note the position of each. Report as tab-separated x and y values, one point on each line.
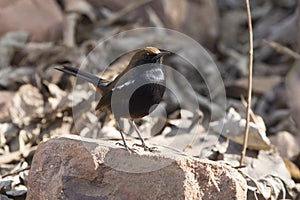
132	6
282	49
249	83
253	117
15	156
69	29
8	158
154	18
16	172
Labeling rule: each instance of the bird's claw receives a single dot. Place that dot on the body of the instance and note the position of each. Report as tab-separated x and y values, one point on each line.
130	150
146	148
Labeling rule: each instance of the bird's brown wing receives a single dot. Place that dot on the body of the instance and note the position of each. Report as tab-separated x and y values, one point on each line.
105	101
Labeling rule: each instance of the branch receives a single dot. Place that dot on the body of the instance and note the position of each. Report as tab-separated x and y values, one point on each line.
282	49
119	15
249	84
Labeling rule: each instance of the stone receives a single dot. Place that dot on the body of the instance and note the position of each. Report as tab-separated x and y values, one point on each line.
286	143
44	14
78	168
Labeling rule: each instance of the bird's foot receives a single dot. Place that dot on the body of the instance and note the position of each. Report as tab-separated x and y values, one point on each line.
146	148
130	150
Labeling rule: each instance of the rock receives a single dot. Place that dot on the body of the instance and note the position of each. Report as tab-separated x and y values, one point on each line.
286	144
42	19
77	168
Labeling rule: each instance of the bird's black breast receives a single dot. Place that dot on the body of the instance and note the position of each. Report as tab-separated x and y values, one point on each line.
138	92
145	99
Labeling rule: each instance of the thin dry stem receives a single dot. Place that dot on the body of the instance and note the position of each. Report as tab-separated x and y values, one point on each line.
249	84
119	15
69	29
282	49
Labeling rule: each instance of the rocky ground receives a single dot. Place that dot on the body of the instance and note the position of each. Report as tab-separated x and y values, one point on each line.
205	121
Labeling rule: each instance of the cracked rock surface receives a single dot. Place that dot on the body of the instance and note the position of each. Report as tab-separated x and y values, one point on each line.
77	168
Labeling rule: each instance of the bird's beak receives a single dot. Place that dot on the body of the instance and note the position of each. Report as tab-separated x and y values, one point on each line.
161	54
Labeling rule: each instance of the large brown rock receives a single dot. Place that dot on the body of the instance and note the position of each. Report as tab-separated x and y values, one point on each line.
42	19
73	168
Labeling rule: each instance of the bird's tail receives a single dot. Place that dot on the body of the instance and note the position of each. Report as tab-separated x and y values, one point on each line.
99	83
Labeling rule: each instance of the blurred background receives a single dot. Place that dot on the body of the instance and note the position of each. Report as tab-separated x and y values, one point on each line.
36	101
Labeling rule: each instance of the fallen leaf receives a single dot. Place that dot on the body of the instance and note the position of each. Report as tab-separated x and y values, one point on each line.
233	127
28	104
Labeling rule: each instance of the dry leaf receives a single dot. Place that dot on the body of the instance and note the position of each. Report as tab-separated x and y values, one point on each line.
5	104
261	85
293	169
12	78
8	131
268	174
28	104
234	127
9	43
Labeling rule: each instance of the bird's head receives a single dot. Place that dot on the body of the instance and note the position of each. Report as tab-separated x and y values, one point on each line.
147	55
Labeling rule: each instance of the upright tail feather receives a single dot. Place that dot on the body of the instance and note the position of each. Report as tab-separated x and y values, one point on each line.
96	81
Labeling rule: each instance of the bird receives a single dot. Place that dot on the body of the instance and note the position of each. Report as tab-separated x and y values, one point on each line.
134	93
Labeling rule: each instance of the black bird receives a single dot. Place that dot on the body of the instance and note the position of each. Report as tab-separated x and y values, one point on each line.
134	93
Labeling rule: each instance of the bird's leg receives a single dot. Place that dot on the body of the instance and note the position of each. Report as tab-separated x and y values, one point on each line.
124	141
146	148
